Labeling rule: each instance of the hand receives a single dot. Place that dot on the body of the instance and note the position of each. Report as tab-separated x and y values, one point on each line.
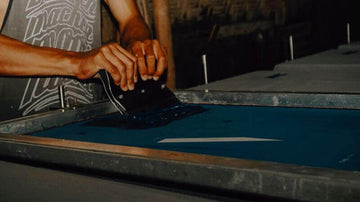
151	59
120	64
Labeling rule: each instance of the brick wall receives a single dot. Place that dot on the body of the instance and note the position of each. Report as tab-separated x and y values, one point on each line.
223	11
236	10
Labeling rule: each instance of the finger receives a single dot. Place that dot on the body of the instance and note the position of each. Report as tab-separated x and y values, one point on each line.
116	67
150	57
125	52
135	72
130	76
137	50
112	70
161	60
128	62
123	82
103	63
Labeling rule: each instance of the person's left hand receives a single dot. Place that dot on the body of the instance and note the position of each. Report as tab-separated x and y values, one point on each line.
151	59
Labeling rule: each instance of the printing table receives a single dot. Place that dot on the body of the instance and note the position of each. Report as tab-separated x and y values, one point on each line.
286	134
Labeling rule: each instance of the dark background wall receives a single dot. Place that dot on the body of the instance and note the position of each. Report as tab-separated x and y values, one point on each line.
240	36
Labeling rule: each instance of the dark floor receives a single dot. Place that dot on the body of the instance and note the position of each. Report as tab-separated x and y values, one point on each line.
27	183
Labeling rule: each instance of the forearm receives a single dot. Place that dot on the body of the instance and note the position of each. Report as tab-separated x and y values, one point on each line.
131	25
136	38
20	59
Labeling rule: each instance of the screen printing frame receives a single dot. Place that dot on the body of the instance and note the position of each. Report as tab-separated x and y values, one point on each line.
211	172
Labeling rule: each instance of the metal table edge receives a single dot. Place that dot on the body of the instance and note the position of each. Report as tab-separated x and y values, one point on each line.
237	175
272	99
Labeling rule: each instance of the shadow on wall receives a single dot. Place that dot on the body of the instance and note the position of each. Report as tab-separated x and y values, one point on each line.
316	25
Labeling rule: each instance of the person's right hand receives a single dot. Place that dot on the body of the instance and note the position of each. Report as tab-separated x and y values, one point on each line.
118	62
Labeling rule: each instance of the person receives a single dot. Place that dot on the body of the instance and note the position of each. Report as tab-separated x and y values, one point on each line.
48	43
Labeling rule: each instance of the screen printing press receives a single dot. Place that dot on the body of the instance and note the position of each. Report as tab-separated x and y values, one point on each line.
287	134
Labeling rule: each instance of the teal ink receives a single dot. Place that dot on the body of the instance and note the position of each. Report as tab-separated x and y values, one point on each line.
312	137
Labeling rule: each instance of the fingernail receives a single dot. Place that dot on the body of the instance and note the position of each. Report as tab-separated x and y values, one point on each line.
135	79
156	78
144	77
131	87
150	77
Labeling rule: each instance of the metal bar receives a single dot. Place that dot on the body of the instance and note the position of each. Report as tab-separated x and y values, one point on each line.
236	175
205	71
273	99
291	47
38	122
348	33
51	119
205	68
61	97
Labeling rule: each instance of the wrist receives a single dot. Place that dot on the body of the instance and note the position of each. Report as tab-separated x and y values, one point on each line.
73	63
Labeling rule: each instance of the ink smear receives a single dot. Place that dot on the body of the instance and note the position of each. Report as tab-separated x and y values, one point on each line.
149	119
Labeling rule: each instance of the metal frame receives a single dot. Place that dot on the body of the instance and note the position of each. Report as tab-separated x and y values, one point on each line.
272	99
228	174
42	121
236	175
